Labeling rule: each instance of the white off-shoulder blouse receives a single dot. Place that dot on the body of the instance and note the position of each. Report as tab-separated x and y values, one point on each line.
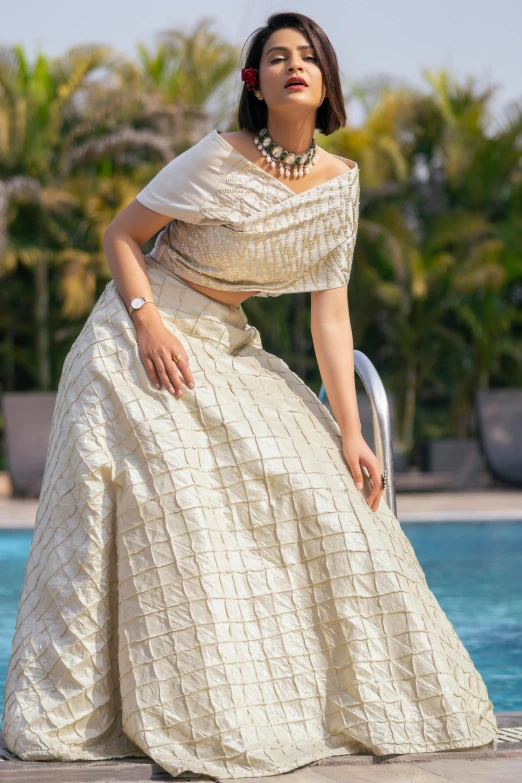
235	227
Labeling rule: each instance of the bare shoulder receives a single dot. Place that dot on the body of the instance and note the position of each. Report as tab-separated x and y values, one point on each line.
242	141
335	163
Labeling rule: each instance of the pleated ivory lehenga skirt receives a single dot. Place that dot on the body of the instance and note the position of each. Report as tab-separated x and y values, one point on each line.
205	584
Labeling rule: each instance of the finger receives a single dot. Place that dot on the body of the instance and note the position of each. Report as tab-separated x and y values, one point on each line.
172	370
375	474
355	470
184	368
166	376
378	500
368	479
380	490
151	371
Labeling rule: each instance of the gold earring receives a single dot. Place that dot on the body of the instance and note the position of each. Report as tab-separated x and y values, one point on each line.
257	94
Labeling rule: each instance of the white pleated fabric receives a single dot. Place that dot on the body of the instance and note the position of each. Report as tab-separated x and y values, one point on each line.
205	584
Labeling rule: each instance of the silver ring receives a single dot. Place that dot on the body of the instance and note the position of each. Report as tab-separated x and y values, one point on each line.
384	479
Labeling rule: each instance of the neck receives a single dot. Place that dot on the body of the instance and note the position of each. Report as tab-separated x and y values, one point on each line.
292	136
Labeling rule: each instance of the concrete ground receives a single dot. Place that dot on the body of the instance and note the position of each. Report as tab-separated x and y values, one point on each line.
495	505
499	764
491	505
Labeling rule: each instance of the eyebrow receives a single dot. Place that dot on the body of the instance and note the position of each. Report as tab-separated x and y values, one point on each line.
286	48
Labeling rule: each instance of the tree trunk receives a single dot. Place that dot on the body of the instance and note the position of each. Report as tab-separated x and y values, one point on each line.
483	381
9	344
42	324
409	408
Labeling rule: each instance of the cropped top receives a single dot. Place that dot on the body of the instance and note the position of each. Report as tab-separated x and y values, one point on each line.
235	227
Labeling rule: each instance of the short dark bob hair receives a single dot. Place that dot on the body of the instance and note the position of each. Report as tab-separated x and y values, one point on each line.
331	114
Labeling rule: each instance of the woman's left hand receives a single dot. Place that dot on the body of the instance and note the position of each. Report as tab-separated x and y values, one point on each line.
358	454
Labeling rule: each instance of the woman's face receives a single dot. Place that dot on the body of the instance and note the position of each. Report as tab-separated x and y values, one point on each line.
286	53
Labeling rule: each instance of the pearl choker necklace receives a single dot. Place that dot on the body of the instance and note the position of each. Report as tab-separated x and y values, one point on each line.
274	153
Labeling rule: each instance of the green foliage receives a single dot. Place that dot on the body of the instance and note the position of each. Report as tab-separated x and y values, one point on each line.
436	288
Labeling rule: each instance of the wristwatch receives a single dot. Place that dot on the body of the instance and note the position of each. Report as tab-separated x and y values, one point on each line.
138	302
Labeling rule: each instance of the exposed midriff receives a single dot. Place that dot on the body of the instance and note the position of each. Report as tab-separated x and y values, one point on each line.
234	298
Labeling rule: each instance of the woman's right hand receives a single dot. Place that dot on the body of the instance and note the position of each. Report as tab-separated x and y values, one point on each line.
157	347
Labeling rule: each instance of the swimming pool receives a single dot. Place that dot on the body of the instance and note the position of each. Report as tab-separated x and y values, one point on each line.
473	569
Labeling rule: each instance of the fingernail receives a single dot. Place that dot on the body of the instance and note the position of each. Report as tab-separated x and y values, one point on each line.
359	485
157	386
191	385
179	392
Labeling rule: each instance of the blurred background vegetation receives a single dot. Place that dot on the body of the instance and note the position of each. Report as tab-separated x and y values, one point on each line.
436	288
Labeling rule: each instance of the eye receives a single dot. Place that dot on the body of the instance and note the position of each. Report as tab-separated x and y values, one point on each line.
308	57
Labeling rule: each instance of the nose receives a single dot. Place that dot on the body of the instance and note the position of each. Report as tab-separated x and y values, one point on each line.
292	66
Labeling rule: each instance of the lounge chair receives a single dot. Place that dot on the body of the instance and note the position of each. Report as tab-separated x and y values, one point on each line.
499	418
27	429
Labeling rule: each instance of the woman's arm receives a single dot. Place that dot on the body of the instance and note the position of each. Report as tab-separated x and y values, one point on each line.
333	344
130	229
122	241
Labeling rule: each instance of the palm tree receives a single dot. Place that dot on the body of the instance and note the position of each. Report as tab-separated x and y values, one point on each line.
35	103
437	200
481	157
186	69
47	134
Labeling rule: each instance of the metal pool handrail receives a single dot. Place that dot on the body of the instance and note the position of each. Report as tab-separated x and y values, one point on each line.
380	419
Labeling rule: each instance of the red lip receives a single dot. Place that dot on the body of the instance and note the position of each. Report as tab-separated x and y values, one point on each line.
295	80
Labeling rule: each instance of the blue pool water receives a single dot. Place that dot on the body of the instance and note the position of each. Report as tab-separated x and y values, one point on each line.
474	569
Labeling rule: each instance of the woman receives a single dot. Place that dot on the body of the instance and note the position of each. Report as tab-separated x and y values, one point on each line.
211	582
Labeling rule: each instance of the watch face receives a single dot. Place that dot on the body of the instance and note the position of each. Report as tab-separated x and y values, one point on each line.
137	302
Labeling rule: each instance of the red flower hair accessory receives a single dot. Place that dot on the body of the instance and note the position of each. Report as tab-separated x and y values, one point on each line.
249	75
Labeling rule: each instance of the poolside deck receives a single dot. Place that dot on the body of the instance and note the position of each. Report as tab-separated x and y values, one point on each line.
501	764
498	505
